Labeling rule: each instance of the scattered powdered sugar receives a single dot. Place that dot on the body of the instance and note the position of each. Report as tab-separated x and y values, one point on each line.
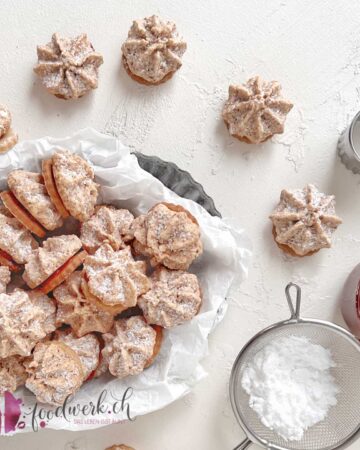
290	385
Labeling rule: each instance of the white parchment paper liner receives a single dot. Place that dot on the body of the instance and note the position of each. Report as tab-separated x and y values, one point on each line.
225	258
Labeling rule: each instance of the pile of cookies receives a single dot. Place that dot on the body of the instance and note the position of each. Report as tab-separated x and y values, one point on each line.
95	301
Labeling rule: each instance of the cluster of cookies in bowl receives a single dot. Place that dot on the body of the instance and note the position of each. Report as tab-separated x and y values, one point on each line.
91	302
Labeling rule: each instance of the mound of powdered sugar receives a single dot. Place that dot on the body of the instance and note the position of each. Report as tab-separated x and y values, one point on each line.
290	385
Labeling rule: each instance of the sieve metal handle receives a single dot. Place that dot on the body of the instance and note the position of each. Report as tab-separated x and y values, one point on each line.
295	311
243	445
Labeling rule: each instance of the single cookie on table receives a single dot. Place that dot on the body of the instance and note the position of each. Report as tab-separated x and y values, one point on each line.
16	242
108	225
153	50
54	262
25	319
12	374
69	180
68	67
174	298
87	348
131	346
256	110
75	310
28	192
169	235
7	136
304	221
113	281
54	372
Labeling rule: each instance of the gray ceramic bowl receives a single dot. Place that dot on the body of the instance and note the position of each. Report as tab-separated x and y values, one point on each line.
178	180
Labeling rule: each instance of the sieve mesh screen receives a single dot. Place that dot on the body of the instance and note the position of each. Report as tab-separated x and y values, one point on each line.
343	420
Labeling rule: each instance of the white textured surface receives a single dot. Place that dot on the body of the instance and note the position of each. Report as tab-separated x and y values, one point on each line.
313	49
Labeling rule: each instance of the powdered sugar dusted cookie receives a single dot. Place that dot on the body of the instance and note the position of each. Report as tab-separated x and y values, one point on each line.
153	50
87	348
256	110
17	210
304	220
75	310
12	374
30	191
173	299
15	240
55	372
68	67
113	281
24	320
53	255
108	225
48	306
5	120
74	179
169	235
102	368
5	277
7	136
129	346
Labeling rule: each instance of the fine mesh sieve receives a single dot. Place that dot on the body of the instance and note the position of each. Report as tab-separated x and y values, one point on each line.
342	424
